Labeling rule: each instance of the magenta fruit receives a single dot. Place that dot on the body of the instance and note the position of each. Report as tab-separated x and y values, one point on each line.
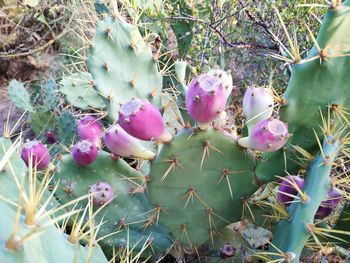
287	190
328	205
257	105
89	128
267	136
102	193
206	99
37	153
120	143
84	152
141	119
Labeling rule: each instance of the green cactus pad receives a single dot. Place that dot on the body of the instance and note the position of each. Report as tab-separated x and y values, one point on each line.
80	92
197	201
41	121
14	167
67	128
122	65
49	94
291	235
314	86
130	208
49	246
19	95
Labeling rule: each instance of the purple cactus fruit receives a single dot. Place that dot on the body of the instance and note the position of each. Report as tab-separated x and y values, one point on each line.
120	143
268	135
102	193
257	106
37	153
327	206
286	190
206	99
227	251
89	128
84	152
50	137
141	119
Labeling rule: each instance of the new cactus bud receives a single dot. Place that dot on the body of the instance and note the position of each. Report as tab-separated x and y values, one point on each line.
225	77
268	135
102	193
287	189
257	106
37	153
120	143
180	70
328	205
89	128
206	99
141	119
84	152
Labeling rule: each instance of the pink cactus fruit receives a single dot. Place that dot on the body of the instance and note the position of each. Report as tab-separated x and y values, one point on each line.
89	128
84	152
141	119
37	153
102	193
257	106
206	99
120	143
287	189
327	206
269	135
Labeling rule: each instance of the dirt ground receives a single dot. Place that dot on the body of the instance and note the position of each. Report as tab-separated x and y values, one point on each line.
27	70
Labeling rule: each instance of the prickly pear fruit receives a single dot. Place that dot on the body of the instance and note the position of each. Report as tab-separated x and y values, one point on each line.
120	143
141	119
227	251
268	135
225	77
89	128
257	106
206	99
287	189
37	153
84	152
50	137
327	206
102	193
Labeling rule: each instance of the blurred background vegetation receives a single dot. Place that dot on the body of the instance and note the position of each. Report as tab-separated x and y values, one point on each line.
46	39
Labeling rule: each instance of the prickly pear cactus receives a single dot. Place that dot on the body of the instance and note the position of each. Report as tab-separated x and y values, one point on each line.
318	82
196	180
67	129
19	95
42	241
49	94
128	214
45	245
122	65
80	92
291	235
